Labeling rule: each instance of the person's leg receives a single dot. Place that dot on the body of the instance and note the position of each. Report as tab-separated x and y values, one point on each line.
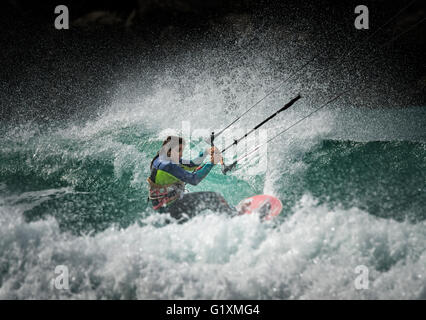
195	202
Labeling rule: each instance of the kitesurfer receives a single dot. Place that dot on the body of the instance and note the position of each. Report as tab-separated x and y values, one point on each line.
170	173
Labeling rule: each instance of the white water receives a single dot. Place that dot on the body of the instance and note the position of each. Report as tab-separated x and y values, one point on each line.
312	255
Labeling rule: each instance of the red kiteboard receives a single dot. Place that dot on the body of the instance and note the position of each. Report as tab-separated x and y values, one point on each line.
264	205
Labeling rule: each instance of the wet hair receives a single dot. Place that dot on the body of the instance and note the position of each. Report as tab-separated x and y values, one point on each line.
167	146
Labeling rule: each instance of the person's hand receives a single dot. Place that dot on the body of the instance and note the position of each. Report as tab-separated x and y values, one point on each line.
215	156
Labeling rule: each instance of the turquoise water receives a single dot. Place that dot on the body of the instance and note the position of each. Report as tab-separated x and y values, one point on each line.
100	180
76	195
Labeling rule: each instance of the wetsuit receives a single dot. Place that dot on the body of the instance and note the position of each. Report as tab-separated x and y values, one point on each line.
167	186
167	179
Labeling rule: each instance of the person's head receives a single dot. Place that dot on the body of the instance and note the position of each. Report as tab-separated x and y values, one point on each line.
172	148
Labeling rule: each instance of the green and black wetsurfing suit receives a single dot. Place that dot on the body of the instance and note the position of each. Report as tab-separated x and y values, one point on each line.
167	179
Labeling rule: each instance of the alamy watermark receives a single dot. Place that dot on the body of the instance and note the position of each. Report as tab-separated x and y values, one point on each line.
251	147
62	21
61	280
362	20
362	281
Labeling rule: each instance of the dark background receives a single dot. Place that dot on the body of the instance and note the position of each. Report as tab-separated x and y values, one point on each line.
45	71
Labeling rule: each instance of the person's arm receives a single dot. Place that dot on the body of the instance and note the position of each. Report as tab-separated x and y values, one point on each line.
195	162
193	178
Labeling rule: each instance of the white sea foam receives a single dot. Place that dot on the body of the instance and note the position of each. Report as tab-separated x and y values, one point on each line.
311	255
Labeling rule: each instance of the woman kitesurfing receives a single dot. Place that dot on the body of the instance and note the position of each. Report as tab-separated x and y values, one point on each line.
169	173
